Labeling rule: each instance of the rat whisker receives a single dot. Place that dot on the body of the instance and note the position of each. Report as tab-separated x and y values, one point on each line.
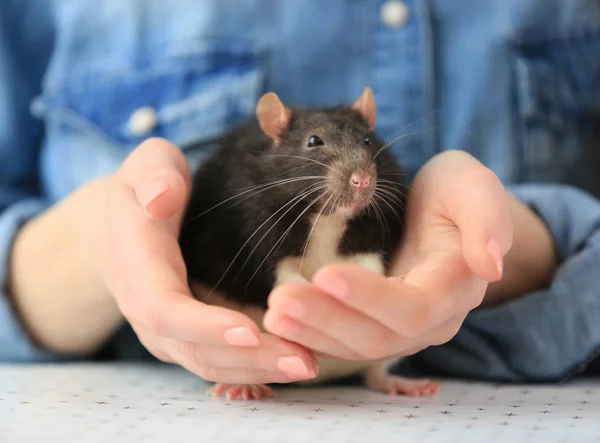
369	209
390	184
392	189
300	158
296	200
306	243
395	192
329	213
327	155
383	222
388	199
395	183
283	180
310	205
394	179
394	211
373	210
418	120
401	174
335	205
394	140
383	199
400	183
394	199
266	187
386	163
333	208
335	220
408	126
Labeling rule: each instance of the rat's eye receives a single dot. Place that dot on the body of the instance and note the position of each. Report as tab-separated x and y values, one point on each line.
314	141
367	141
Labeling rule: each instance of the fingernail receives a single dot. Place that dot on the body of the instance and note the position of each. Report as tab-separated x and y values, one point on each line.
156	189
294	367
336	286
496	253
241	337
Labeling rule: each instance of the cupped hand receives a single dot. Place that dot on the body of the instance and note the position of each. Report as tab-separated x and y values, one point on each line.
458	229
147	278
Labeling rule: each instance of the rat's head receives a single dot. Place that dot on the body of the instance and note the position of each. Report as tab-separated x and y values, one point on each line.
331	152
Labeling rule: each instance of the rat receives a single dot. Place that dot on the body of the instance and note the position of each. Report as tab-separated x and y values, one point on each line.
285	193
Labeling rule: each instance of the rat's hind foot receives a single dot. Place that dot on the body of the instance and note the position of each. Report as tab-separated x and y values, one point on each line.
245	392
394	385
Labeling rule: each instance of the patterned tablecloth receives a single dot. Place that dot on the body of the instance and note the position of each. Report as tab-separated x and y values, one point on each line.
160	403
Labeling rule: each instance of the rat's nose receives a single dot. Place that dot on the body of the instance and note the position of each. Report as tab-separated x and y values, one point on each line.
360	179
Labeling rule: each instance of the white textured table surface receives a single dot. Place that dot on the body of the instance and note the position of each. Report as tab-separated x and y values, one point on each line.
136	403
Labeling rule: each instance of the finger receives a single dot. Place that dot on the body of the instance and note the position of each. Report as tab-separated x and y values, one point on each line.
177	316
309	337
449	282
478	204
436	337
236	376
426	299
274	355
445	332
201	361
149	341
160	299
326	322
159	175
171	351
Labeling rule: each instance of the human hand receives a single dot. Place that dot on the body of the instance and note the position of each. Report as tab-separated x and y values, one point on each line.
146	275
458	231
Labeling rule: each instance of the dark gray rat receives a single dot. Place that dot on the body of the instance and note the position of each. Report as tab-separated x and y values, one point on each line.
285	193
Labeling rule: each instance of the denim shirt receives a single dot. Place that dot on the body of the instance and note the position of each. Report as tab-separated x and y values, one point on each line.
82	83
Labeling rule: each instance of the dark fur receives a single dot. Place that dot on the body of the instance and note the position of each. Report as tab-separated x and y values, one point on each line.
246	157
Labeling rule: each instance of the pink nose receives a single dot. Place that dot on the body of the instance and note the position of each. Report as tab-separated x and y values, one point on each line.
360	180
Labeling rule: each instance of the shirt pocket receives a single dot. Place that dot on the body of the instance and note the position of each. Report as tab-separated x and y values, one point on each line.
556	99
94	120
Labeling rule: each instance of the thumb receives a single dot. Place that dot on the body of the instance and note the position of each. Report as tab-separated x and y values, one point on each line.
479	206
158	173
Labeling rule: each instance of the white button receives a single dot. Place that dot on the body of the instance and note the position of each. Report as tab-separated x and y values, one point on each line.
394	13
37	108
142	121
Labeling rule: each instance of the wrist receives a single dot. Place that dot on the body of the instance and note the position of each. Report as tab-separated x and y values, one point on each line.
56	284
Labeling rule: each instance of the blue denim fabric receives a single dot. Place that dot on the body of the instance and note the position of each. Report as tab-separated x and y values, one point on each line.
513	82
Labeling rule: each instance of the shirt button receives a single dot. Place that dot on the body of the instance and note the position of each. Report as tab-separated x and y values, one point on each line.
394	13
143	121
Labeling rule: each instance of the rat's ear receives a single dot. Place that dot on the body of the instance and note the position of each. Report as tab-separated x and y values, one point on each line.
273	116
367	107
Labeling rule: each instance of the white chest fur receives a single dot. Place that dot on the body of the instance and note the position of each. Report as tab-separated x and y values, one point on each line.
321	249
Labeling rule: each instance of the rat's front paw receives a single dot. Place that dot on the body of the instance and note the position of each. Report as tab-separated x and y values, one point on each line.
245	392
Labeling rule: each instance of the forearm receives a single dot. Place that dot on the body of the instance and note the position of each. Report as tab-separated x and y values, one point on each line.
531	261
56	292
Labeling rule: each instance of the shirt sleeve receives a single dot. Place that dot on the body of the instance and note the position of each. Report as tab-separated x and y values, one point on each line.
549	335
25	45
